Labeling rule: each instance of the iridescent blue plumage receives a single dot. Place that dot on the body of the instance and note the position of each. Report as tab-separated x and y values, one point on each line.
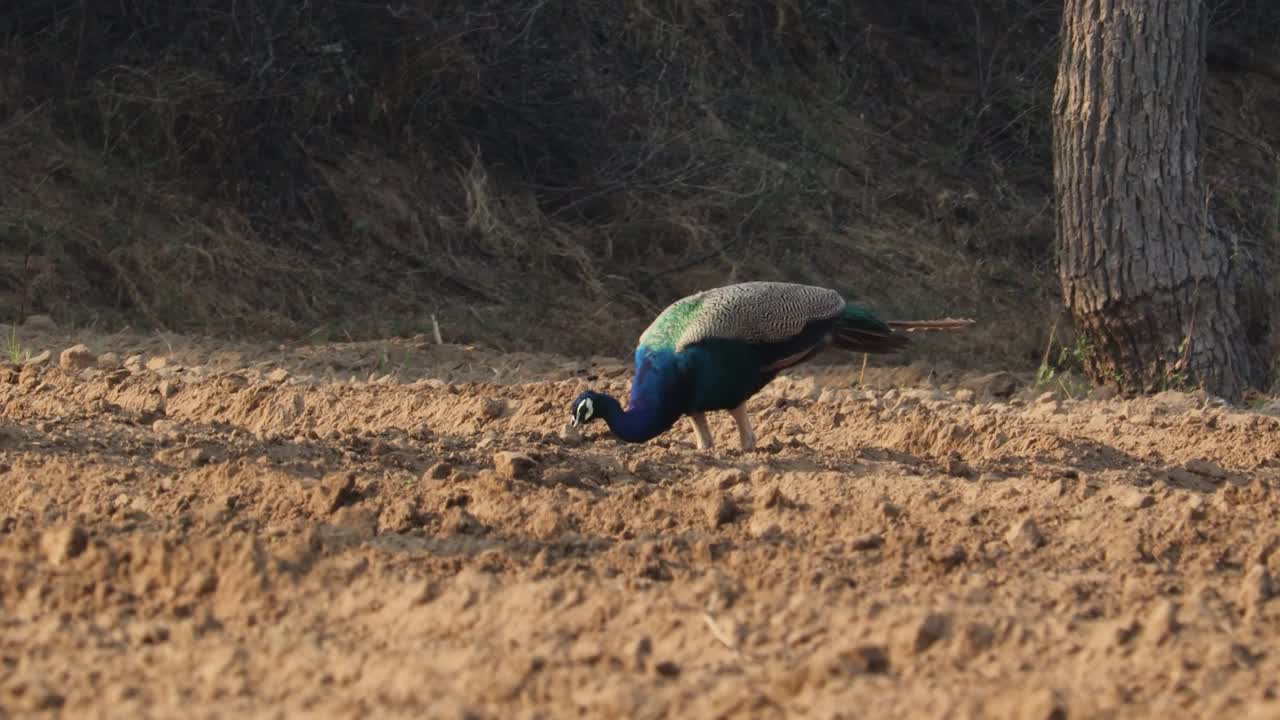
716	349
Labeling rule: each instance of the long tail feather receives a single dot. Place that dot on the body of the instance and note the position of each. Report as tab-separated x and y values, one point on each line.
868	342
859	330
945	324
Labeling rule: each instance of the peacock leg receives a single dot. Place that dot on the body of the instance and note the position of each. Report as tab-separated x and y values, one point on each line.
746	435
703	431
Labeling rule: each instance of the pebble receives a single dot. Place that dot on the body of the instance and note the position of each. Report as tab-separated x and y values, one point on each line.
334	492
721	510
1207	468
1139	500
1025	534
76	358
950	556
438	471
492	408
61	544
164	426
38	359
868	541
513	465
930	629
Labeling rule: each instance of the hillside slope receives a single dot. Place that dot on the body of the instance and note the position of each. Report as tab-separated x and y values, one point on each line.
547	177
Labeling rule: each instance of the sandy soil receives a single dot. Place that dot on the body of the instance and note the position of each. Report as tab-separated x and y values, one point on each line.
399	529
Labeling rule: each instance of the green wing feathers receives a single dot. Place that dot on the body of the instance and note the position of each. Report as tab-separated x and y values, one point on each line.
665	331
861	330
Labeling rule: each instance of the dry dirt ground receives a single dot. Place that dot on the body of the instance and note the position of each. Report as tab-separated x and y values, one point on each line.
399	529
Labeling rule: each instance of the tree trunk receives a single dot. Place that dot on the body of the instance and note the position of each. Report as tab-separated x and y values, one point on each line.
1150	283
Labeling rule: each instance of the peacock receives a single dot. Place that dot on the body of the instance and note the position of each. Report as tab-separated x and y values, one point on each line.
715	349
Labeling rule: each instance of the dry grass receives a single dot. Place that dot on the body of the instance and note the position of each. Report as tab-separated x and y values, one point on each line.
528	175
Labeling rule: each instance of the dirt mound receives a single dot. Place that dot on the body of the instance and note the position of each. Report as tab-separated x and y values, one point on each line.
192	531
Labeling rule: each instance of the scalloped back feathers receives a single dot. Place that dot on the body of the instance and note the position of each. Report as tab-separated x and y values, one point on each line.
756	312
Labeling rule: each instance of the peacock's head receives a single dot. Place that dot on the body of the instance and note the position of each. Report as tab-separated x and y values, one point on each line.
585	408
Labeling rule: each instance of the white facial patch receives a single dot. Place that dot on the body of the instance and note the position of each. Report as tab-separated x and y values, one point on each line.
585	410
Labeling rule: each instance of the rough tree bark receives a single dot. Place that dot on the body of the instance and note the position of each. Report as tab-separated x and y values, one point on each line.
1150	282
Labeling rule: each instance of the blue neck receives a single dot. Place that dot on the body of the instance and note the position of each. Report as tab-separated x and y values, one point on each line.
636	425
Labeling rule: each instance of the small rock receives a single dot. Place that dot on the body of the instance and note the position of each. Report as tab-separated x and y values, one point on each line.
513	465
278	375
772	497
1139	500
1181	477
461	522
950	556
133	362
570	434
955	466
109	361
38	359
400	516
64	543
862	660
40	322
1207	468
666	668
185	456
167	388
997	384
76	358
164	426
158	362
438	471
1256	590
722	510
964	395
1025	534
1046	398
492	408
729	477
335	491
640	652
869	541
929	630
